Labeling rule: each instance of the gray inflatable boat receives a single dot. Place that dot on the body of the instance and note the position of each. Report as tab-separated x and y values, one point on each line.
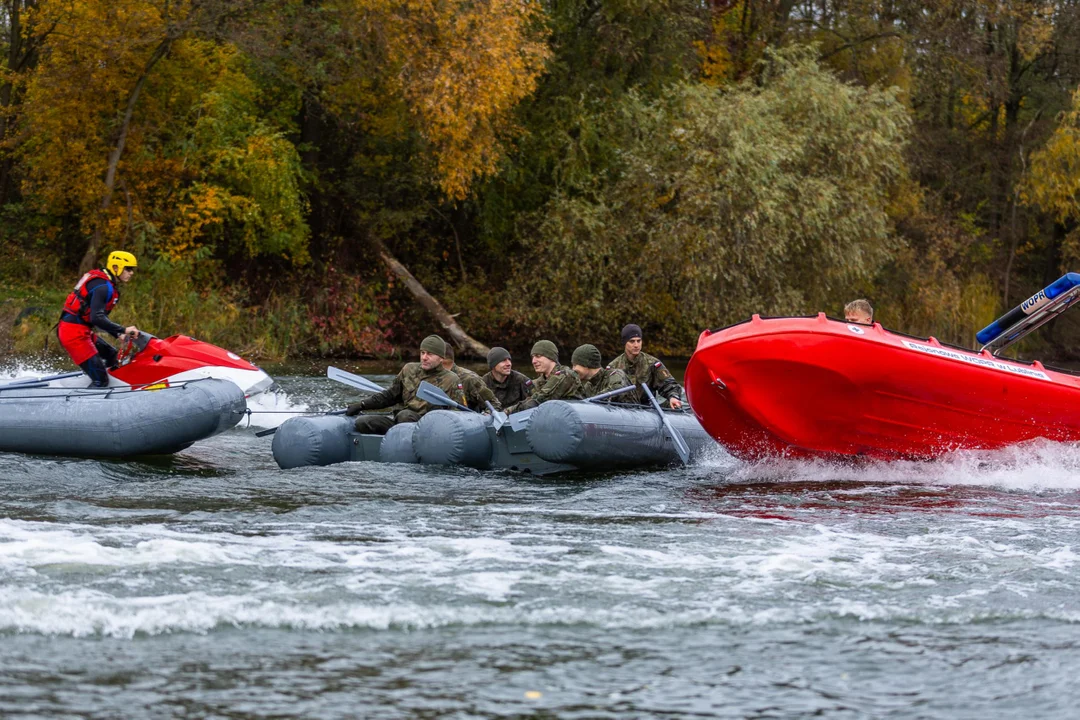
560	436
116	422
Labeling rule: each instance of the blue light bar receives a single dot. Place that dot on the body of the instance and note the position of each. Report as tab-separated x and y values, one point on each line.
1043	299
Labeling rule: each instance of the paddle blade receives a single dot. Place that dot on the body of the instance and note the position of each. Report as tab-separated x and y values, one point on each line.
352	380
431	394
498	418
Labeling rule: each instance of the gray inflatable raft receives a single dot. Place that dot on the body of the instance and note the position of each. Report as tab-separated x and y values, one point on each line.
117	422
560	436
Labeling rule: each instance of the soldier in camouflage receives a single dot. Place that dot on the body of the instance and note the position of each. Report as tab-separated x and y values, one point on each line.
596	379
553	381
508	384
403	391
477	394
643	369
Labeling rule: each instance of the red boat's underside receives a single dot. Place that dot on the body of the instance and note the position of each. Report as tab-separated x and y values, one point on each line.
819	387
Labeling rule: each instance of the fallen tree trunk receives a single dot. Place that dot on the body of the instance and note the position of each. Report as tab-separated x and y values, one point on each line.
458	336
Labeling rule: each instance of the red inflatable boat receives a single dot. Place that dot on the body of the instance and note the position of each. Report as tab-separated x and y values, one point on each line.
817	387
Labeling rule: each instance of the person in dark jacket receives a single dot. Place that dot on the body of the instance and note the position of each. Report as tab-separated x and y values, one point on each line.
509	385
644	369
86	311
477	393
596	379
403	391
553	381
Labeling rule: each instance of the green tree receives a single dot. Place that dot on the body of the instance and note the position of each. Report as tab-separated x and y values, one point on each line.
770	197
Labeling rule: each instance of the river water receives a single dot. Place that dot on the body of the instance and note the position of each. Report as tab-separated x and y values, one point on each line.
213	585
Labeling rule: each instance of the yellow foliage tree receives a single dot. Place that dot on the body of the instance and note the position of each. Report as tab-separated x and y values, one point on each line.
460	67
1054	181
129	97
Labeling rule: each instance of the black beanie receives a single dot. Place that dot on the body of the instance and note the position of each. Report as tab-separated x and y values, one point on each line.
586	356
630	332
496	355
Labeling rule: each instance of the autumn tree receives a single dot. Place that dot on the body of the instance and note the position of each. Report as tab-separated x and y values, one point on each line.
768	198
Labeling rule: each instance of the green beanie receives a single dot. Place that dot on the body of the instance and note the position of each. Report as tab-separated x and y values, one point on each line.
434	345
586	356
546	348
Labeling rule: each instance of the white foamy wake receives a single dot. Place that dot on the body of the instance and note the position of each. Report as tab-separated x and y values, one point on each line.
84	580
31	368
1039	465
271	408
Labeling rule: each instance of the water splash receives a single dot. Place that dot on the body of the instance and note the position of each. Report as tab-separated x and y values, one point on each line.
271	408
1039	465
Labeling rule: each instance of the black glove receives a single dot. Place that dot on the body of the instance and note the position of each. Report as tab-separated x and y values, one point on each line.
355	409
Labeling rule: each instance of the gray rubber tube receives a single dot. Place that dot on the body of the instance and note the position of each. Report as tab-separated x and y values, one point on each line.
597	436
315	440
447	437
117	423
397	446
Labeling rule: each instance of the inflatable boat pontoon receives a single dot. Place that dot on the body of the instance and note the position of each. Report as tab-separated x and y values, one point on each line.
115	422
559	436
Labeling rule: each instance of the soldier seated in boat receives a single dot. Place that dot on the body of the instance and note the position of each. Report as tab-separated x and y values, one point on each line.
859	312
596	379
87	309
553	381
643	369
477	394
403	391
508	384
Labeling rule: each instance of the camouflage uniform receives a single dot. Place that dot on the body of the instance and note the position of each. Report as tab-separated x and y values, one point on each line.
647	370
515	388
403	392
561	384
608	379
476	390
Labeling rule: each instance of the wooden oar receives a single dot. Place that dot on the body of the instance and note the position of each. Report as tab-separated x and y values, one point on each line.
676	437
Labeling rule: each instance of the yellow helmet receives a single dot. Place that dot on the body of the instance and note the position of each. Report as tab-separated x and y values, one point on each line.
119	261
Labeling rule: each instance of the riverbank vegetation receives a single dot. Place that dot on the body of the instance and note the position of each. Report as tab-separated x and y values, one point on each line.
289	172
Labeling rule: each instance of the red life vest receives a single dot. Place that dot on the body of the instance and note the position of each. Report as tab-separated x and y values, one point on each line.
78	302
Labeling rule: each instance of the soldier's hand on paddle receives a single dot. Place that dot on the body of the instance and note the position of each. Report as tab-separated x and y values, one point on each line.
355	408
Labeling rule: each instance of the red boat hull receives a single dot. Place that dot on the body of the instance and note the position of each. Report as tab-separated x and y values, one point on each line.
815	387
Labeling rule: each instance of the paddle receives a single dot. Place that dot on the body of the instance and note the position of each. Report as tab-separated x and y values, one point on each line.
499	418
47	378
347	378
676	437
611	393
429	393
338	375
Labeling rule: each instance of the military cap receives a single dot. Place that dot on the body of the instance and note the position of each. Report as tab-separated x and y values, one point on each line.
434	345
546	348
630	332
586	356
